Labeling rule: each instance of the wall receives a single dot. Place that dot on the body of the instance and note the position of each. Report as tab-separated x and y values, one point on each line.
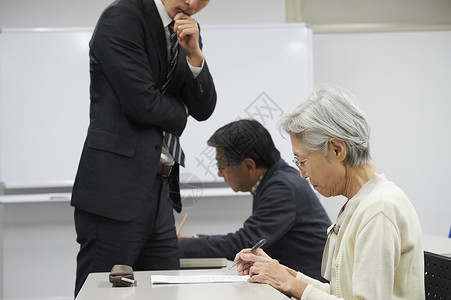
38	256
412	153
402	82
84	13
407	12
39	250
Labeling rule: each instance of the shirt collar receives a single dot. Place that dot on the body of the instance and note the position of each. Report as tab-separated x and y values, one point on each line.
255	187
165	18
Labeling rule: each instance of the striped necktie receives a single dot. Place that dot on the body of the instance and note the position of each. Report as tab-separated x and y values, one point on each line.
172	141
173	52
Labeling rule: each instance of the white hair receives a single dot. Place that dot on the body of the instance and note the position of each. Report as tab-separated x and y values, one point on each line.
330	113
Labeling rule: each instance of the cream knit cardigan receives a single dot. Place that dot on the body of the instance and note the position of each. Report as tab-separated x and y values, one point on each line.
381	252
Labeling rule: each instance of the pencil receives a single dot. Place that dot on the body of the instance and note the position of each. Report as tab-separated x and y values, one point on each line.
181	224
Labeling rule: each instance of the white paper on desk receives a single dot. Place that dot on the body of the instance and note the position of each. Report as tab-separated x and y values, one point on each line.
167	279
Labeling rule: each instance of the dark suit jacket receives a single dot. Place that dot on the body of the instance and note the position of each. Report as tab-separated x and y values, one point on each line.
128	66
287	213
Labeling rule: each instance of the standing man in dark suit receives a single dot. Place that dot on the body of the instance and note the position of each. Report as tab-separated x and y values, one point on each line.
143	88
285	210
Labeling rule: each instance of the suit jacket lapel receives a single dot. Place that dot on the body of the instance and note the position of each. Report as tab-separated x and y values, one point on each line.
155	26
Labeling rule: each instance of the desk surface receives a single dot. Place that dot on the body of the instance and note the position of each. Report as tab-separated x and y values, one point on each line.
437	244
97	286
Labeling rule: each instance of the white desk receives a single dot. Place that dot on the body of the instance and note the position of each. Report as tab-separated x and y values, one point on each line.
437	244
98	287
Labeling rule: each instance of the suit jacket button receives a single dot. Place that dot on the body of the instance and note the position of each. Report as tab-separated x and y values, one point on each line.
158	148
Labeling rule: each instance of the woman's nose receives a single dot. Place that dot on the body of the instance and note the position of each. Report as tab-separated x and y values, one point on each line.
303	174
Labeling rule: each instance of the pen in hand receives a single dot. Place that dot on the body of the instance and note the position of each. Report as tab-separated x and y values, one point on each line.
256	246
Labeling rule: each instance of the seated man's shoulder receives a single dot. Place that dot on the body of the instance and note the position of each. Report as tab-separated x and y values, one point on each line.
289	178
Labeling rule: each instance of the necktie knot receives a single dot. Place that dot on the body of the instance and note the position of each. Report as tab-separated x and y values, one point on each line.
171	30
171	27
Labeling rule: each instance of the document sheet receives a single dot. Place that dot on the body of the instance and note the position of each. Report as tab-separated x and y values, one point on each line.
167	279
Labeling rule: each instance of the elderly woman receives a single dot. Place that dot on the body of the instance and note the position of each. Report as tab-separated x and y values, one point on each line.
374	250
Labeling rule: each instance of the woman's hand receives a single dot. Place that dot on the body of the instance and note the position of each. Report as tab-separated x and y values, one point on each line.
244	266
264	269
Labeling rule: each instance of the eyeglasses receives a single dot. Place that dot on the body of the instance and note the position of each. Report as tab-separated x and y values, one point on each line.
300	163
222	167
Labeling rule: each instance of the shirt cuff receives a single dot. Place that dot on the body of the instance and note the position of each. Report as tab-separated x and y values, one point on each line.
195	70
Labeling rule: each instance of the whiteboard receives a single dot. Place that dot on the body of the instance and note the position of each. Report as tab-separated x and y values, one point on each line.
44	105
260	72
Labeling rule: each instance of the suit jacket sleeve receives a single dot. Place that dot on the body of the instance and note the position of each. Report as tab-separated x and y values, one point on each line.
200	104
133	59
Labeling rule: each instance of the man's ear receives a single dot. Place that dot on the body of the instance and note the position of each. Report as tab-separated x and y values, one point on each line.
250	164
337	148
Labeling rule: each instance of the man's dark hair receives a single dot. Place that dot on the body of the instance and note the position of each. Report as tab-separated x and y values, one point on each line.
245	139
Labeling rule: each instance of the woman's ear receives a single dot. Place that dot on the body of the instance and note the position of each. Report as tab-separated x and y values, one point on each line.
337	148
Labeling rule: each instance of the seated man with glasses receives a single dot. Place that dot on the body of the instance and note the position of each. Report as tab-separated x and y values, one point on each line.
285	210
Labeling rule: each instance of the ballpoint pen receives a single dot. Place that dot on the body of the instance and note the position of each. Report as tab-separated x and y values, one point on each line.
256	246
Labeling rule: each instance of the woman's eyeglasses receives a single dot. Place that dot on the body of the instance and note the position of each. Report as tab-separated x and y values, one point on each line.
300	163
